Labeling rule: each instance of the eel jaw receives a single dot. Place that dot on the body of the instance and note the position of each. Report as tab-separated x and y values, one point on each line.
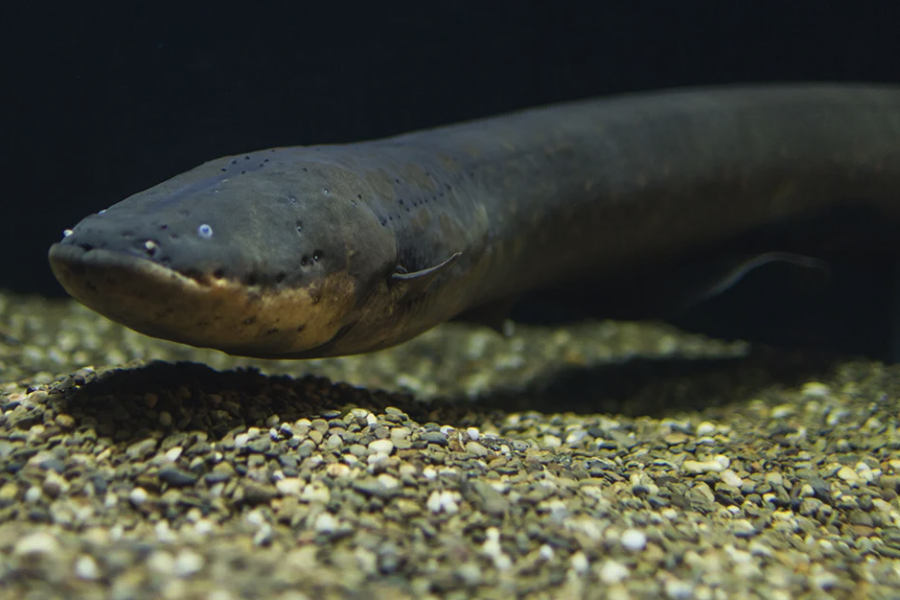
207	312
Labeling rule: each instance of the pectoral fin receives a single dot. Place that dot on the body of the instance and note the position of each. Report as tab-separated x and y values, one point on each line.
712	280
416	283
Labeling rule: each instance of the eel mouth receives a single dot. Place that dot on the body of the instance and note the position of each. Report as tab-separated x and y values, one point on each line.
203	311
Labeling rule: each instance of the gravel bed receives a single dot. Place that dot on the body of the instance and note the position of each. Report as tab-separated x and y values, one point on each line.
607	460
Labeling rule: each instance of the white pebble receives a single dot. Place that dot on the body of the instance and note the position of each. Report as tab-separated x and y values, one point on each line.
576	437
86	568
706	428
400	433
546	552
579	563
816	390
551	441
473	434
634	540
326	523
33	494
679	590
138	496
316	492
613	571
172	454
731	478
381	446
256	517
289	486
706	466
240	440
35	544
389	482
161	562
188	563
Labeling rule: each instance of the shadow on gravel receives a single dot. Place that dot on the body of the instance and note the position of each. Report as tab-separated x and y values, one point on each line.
125	403
658	387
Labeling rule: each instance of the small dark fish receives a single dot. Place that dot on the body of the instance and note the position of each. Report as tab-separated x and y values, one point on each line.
333	250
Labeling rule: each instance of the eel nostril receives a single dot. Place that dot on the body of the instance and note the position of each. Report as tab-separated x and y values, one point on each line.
151	247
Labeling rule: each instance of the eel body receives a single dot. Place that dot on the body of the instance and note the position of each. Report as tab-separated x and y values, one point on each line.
330	250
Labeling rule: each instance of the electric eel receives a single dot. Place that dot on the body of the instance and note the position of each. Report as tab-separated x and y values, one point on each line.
330	250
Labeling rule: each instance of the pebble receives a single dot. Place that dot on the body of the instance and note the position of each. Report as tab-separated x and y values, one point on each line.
142	449
290	486
87	568
551	441
435	437
731	478
579	563
476	449
633	540
177	477
38	543
138	496
187	563
706	466
849	475
706	428
381	446
613	571
326	523
679	590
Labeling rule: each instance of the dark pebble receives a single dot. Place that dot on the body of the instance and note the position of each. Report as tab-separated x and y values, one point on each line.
176	477
255	493
53	464
372	487
435	437
216	477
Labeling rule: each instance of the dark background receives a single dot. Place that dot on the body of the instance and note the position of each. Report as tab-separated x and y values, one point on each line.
109	98
104	99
